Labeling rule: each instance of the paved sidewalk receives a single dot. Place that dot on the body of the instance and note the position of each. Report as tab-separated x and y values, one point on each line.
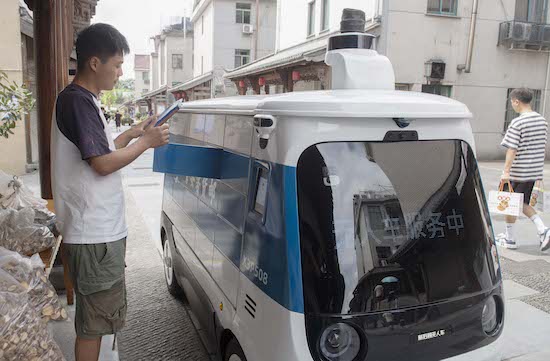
526	273
158	325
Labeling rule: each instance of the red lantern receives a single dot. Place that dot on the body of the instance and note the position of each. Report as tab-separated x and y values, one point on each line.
295	75
261	81
241	83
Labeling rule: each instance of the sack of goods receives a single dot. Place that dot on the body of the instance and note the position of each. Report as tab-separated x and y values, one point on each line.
20	233
24	298
14	195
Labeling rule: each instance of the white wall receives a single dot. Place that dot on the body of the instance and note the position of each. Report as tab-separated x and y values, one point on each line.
154	70
494	68
228	34
203	41
183	46
294	17
140	85
11	64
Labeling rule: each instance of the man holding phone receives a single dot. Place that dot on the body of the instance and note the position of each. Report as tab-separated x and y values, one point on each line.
87	186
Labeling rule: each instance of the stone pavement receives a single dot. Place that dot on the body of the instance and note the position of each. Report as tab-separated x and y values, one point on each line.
158	325
526	272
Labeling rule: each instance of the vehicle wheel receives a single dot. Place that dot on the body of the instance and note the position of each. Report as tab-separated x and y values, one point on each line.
234	352
169	275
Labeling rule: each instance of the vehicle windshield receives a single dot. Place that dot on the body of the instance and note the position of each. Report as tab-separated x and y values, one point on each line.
391	225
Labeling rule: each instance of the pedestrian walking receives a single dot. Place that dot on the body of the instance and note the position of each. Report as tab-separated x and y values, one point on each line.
118	119
526	142
106	114
87	186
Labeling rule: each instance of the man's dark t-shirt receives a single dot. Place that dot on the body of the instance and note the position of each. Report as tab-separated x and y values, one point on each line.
118	117
79	120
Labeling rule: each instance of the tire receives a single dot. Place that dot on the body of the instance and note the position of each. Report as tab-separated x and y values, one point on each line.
169	275
234	352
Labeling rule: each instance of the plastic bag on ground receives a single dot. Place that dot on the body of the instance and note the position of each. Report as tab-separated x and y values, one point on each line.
20	233
23	334
30	274
16	195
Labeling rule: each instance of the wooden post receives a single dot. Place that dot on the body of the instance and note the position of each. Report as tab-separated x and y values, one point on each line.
255	85
45	87
286	77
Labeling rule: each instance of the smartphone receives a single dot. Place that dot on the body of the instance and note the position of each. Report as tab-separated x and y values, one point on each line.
169	112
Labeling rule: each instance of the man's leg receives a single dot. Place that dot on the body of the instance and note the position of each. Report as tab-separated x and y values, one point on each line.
510	231
542	230
535	218
87	349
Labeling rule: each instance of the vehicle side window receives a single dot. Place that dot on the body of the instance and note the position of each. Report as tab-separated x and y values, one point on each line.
259	199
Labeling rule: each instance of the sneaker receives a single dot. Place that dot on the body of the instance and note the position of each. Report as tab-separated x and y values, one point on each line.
506	243
545	240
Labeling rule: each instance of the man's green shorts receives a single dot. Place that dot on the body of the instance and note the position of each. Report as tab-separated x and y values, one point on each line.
97	271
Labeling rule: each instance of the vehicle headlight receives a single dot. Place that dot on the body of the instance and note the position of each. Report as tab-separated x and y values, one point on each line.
489	316
340	342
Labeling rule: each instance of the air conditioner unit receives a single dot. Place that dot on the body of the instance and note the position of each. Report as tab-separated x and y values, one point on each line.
248	29
438	70
534	33
520	31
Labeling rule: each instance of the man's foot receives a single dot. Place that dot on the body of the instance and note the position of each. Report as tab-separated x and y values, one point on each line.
506	243
545	240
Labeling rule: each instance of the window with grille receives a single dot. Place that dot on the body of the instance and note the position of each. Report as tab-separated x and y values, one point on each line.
311	18
243	13
511	114
145	77
325	14
242	57
533	11
437	89
442	7
177	61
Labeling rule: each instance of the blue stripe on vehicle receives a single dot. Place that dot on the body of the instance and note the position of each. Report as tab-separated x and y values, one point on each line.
273	246
296	296
200	161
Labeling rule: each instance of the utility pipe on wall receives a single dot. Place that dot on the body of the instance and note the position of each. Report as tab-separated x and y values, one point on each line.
257	30
468	67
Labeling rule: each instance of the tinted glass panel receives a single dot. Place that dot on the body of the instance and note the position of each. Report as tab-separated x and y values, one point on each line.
391	225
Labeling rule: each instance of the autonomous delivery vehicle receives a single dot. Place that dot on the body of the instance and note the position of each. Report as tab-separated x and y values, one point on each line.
347	224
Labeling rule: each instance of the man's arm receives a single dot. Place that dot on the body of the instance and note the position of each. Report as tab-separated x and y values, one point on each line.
510	156
114	161
134	132
123	139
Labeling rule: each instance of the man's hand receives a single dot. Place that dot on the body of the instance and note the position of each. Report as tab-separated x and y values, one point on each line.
154	137
505	175
138	130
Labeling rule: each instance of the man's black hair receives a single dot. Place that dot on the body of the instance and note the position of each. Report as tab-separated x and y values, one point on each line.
100	40
524	95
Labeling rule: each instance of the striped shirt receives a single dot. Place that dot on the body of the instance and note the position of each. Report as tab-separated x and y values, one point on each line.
527	134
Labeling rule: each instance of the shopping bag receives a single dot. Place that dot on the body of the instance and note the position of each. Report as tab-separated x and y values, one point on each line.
540	199
507	203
